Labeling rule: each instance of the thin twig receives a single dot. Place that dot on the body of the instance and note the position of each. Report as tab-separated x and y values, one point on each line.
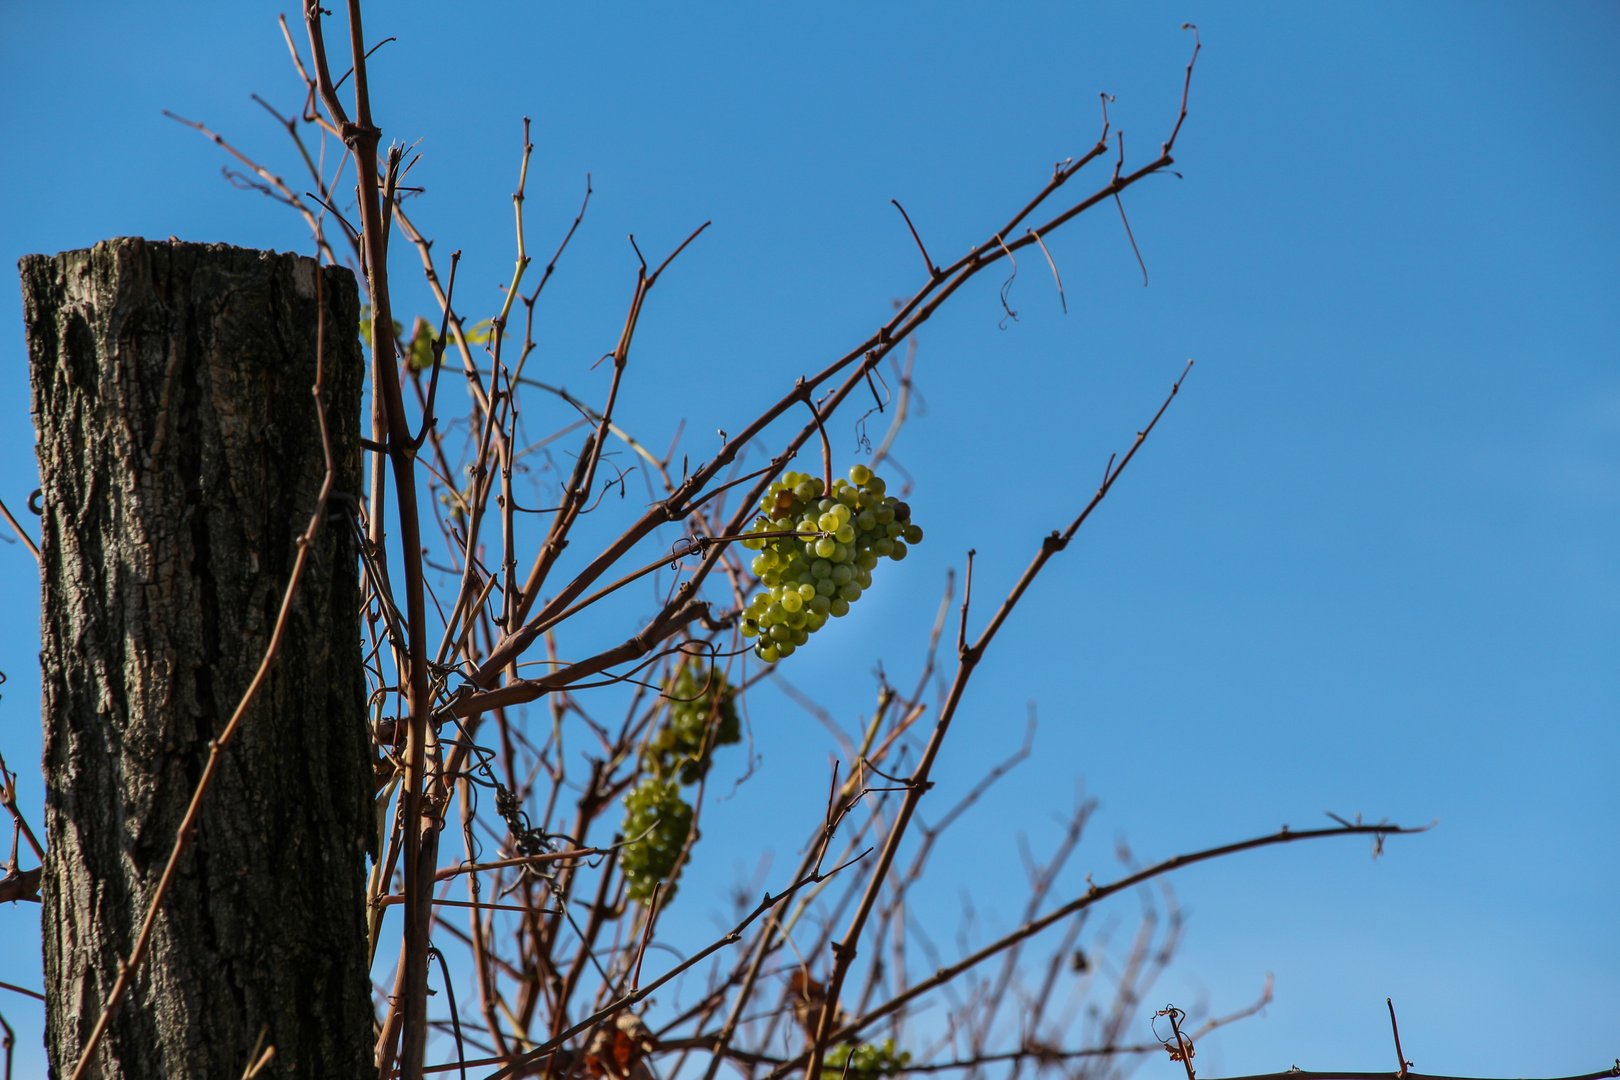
32	547
1064	300
1395	1029
933	271
1092	896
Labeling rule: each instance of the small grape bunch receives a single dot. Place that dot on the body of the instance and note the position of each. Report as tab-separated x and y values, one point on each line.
699	701
811	579
657	821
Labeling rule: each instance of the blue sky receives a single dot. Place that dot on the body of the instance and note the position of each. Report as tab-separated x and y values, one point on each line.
1368	562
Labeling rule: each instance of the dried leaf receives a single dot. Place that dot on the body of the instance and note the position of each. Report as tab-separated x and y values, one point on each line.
809	999
618	1050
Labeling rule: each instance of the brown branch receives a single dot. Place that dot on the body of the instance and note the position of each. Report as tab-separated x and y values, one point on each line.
933	271
1092	896
905	321
421	844
424	810
1400	1058
839	803
476	905
969	657
1127	221
628	1000
826	447
524	860
8	799
286	193
32	547
23	990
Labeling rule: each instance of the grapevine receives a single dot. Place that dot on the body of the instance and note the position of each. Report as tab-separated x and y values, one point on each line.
702	716
822	558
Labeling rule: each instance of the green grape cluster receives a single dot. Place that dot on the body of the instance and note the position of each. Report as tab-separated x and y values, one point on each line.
864	1062
653	807
702	715
699	702
811	579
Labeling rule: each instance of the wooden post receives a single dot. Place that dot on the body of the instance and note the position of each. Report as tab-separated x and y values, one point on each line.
180	459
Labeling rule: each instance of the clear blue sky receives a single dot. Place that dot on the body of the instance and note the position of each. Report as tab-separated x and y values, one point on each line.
1369	563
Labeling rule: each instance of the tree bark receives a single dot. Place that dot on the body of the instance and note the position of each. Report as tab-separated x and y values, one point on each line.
181	458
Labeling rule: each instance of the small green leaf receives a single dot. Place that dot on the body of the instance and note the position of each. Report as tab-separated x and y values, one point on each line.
421	348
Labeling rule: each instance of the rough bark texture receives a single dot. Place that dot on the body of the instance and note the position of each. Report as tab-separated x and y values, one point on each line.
181	458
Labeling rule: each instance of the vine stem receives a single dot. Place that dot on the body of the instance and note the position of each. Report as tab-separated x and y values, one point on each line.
826	446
